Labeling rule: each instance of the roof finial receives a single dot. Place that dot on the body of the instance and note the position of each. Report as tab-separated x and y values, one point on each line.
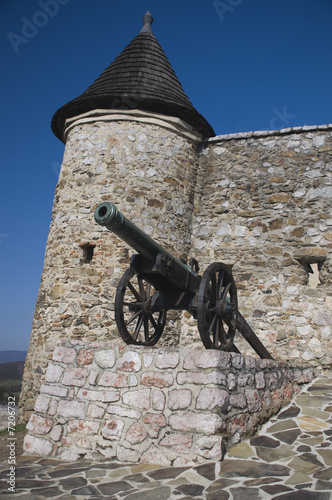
147	21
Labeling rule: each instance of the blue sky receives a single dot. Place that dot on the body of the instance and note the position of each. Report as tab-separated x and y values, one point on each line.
245	65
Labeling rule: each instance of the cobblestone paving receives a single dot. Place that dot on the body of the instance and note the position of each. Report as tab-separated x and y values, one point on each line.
289	459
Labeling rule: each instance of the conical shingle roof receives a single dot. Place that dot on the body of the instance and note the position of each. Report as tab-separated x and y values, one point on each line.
141	77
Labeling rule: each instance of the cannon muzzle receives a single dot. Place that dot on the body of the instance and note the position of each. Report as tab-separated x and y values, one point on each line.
107	214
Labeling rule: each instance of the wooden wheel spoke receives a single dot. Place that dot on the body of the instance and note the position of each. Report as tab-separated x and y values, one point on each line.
141	287
138	326
220	282
154	324
222	333
216	333
135	292
146	329
226	290
214	286
148	290
212	323
132	304
133	317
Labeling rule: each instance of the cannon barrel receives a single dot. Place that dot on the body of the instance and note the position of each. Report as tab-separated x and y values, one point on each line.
107	214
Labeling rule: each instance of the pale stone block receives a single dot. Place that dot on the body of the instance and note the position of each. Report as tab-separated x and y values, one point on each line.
105	358
64	354
147	360
260	380
318	141
237	361
156	379
111	429
85	356
41	404
138	399
96	411
155	456
238	401
210	447
126	455
167	360
39	425
71	409
210	398
179	399
83	426
111	379
201	378
129	362
133	382
103	396
189	421
56	433
75	376
53	373
245	379
54	390
158	400
124	412
157	419
323	319
207	359
231	381
136	433
240	231
53	407
92	378
181	443
254	401
71	454
37	446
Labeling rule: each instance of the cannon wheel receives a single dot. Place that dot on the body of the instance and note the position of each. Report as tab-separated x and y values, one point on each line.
217	308
136	322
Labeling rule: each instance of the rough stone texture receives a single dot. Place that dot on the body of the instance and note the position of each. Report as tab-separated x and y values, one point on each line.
149	171
258	201
167	423
263	206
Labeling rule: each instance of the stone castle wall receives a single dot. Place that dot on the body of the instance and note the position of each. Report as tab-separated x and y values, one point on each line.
149	172
168	406
260	202
263	206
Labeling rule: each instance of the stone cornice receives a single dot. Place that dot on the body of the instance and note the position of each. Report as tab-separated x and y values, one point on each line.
169	122
268	133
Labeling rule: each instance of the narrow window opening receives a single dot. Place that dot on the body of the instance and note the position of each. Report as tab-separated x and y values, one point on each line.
312	266
313	276
87	249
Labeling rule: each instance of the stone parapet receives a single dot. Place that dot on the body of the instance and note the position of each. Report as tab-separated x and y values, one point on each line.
168	406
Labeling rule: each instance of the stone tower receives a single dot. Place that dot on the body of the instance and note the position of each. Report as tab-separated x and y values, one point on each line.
132	138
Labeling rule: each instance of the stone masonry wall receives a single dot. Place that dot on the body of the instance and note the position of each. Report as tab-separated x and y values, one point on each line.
149	172
165	406
263	206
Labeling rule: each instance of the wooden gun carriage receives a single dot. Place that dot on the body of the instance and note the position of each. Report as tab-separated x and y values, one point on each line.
157	282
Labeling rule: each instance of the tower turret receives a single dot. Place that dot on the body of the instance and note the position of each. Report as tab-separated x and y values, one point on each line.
132	138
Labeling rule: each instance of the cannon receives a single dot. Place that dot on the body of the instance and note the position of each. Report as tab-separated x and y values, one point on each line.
157	282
